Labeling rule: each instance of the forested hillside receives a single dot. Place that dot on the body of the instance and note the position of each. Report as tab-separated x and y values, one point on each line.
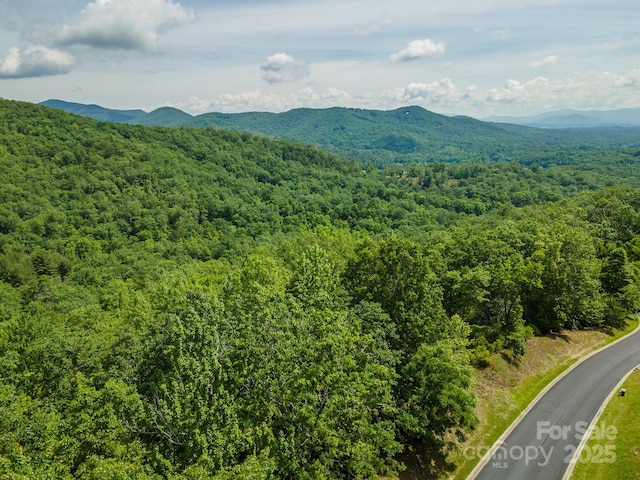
96	112
195	303
405	135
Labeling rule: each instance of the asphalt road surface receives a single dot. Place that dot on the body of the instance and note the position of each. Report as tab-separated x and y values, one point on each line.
542	444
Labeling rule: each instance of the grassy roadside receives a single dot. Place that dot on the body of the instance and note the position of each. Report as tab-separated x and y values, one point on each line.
613	451
504	390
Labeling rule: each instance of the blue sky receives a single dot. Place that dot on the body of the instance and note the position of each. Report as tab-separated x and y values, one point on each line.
478	58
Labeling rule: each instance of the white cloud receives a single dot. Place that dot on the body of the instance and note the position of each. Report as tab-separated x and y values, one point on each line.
418	49
336	97
282	67
631	79
545	62
601	90
538	90
124	24
35	61
510	93
257	100
442	92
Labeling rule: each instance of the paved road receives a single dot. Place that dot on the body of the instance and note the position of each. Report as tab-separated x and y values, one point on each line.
542	444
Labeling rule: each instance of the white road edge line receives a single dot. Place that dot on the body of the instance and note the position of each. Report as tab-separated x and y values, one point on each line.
576	454
484	460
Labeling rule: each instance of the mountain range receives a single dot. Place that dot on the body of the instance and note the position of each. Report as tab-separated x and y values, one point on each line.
627	117
96	112
404	135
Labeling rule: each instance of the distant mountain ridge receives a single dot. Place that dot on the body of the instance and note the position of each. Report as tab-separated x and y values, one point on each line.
627	117
169	116
96	112
163	117
404	135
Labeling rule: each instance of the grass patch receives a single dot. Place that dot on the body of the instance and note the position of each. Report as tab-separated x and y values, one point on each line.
613	451
505	390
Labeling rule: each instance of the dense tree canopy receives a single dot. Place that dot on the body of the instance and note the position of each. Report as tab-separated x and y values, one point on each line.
189	303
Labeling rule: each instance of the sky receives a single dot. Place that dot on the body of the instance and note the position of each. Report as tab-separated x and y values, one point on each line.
463	57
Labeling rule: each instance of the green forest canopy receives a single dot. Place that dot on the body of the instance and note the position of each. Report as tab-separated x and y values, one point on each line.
404	135
189	303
